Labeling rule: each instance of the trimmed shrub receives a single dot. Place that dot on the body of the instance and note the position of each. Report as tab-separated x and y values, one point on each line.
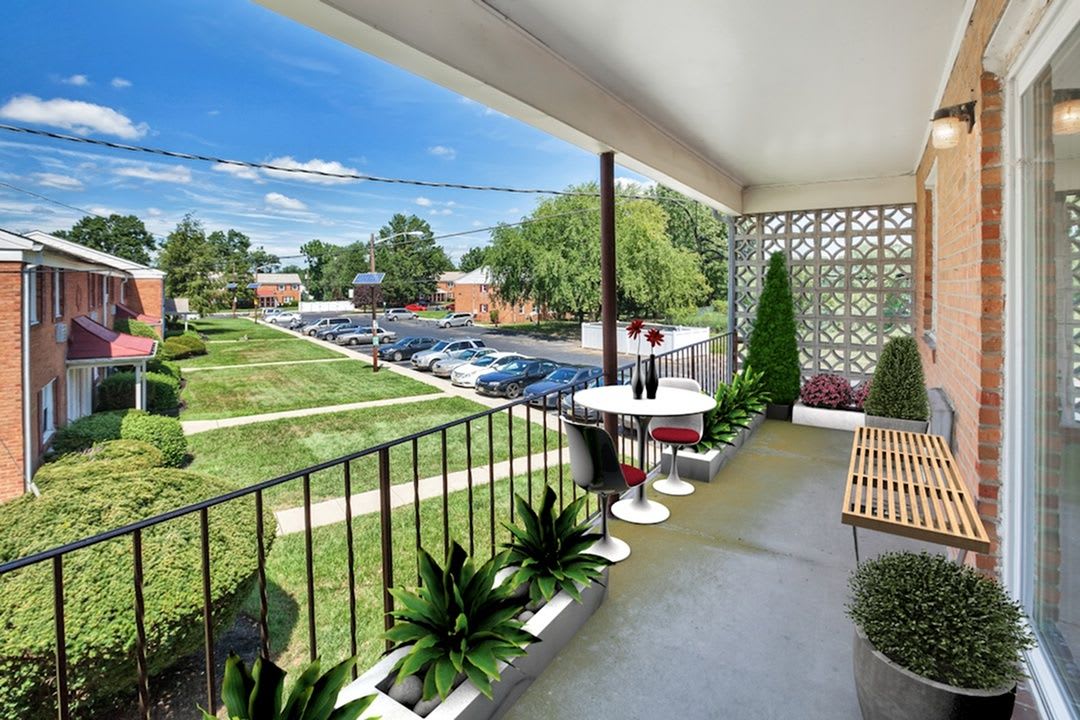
899	388
940	620
174	348
117	392
164	367
826	391
192	341
100	625
117	455
164	433
135	327
85	432
773	348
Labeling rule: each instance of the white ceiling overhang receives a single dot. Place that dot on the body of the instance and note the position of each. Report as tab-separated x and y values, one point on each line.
745	105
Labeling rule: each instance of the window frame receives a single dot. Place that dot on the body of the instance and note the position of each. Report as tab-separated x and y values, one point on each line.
47	411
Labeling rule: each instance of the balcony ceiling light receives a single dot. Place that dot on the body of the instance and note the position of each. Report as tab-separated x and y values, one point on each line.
948	124
1067	111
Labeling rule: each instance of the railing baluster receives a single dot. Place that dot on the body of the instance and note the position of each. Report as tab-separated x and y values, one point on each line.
208	617
559	425
445	497
491	478
63	701
469	476
510	458
264	604
528	452
386	539
416	500
350	558
545	413
309	567
140	628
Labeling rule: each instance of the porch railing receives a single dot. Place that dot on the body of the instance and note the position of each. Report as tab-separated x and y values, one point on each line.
710	361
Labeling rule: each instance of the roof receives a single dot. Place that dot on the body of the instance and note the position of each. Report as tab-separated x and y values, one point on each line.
265	291
91	255
125	311
479	276
277	278
452	276
92	341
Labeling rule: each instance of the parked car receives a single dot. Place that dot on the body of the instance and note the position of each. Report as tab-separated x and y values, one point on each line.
285	318
466	375
324	322
399	314
570	408
406	347
363	336
455	319
424	360
417	306
577	377
510	382
269	313
330	333
443	368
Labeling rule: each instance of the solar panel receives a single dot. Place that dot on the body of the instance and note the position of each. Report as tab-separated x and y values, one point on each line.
369	279
230	286
253	286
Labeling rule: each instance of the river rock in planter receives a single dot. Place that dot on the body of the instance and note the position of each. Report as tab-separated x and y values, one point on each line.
424	707
534	605
888	691
526	616
407	692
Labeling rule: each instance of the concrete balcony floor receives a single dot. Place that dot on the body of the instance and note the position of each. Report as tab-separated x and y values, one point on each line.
734	607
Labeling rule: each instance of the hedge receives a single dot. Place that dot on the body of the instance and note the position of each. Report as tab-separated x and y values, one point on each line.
182	346
100	623
192	341
117	392
135	327
773	348
165	367
164	433
85	432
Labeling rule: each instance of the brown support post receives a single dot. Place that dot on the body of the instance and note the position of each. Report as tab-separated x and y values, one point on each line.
374	323
608	315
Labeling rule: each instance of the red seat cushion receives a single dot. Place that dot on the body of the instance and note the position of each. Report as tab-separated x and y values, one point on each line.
633	476
676	435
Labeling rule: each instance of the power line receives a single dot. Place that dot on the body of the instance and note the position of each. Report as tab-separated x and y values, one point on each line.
39	196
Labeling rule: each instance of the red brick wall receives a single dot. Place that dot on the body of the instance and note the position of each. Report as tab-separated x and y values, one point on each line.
967	361
144	295
11	409
289	296
471	298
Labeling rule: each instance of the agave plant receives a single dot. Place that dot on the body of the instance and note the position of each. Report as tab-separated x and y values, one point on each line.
550	549
457	621
257	695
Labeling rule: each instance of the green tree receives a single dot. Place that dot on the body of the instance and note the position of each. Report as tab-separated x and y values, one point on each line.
774	349
472	259
693	226
412	263
187	258
321	258
121	235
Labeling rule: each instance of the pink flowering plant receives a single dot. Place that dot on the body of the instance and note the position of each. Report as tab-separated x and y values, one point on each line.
861	392
827	391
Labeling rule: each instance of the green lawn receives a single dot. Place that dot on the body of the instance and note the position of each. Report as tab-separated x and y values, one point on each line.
436	314
251	453
227	328
259	351
286	576
252	391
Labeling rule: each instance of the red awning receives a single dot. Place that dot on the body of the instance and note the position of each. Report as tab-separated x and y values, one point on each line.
92	341
266	291
125	311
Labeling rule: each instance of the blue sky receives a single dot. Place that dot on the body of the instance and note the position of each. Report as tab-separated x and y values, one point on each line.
231	79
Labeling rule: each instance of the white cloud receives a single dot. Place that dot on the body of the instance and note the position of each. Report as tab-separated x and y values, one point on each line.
514	211
625	183
283	202
443	151
77	80
120	83
159	173
477	223
80	117
58	181
241	171
154	212
445	211
315	164
104	210
212	113
423	202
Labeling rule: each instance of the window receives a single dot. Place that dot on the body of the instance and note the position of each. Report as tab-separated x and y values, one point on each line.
105	292
80	392
930	259
280	288
47	410
483	289
123	291
58	293
91	291
37	293
483	307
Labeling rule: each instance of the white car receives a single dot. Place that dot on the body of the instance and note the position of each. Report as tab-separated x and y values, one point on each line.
466	375
455	319
285	318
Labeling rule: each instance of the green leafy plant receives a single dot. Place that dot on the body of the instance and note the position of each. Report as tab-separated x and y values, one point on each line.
165	367
257	695
944	621
117	392
116	455
736	405
898	389
773	348
138	328
164	433
749	389
85	432
457	621
550	549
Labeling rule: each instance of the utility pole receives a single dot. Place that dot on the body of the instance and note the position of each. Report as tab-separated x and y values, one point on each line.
374	322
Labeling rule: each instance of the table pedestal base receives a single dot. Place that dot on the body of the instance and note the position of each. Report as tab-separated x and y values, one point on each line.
640	510
611	548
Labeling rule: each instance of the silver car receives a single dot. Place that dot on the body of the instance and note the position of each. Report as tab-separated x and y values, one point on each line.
424	360
455	319
443	368
399	314
362	336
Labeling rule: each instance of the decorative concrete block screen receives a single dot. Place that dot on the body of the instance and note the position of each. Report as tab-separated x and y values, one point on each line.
851	275
1068	312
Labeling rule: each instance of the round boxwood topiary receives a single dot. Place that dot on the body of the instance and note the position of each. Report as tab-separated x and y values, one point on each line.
940	620
773	348
164	433
98	594
84	432
898	389
191	341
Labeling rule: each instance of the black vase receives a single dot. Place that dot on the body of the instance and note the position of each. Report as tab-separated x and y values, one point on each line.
637	383
652	379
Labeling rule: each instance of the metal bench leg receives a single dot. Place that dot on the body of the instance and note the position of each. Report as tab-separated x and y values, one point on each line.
855	537
961	557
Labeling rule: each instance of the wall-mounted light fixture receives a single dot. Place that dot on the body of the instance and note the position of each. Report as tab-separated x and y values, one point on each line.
949	124
1066	111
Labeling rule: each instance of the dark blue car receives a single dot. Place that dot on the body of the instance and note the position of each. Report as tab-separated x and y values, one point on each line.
577	377
405	348
510	382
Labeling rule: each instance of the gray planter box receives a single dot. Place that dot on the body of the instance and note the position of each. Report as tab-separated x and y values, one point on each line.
887	691
702	467
827	417
757	422
555	623
888	423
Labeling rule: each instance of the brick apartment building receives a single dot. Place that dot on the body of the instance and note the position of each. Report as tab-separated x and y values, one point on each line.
275	289
58	302
444	288
473	292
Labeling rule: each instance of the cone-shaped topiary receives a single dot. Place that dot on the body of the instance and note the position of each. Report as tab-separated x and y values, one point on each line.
774	351
899	388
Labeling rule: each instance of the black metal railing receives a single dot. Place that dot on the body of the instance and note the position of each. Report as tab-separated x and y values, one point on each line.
710	361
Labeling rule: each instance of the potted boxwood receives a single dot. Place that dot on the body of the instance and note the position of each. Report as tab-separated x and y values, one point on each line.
773	348
934	639
828	401
897	398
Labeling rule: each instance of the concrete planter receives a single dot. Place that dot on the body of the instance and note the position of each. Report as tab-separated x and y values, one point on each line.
757	422
702	467
555	623
888	691
888	423
827	417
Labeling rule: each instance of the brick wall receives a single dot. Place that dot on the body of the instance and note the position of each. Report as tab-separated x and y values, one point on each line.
479	300
967	359
144	295
11	409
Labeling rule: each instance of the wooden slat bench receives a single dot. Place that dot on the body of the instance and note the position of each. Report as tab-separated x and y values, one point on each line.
907	484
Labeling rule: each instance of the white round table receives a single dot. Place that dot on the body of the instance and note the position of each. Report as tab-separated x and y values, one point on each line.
669	401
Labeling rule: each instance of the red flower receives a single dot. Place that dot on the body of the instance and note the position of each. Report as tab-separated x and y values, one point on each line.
633	330
654	336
